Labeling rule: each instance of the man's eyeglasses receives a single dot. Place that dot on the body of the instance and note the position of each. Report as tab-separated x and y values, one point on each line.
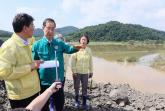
50	28
32	25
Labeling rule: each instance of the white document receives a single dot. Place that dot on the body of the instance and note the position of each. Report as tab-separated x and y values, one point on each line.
49	64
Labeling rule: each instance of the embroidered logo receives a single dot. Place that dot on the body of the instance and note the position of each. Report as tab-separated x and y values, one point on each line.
56	47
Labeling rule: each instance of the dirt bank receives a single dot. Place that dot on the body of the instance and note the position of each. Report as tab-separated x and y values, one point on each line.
110	93
107	97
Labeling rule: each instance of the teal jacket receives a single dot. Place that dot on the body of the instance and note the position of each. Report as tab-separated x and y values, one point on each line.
42	50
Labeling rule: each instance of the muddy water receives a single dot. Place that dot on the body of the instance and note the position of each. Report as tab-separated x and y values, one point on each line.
142	78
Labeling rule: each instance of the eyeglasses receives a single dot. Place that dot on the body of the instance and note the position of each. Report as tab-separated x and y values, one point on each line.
32	25
50	28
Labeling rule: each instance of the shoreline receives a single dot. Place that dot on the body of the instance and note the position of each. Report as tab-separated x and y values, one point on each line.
139	77
114	92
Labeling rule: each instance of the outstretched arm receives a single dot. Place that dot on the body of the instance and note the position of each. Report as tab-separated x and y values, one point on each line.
39	102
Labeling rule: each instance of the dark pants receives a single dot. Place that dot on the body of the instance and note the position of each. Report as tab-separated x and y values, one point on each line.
64	82
22	103
84	81
57	98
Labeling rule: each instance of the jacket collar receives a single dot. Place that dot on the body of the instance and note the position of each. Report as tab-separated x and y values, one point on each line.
18	40
45	40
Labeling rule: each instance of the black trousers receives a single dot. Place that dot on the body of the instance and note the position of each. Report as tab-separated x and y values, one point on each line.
58	99
22	103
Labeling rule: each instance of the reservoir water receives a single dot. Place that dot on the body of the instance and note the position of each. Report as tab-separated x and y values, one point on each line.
139	77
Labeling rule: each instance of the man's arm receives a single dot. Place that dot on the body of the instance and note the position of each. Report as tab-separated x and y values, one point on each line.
70	49
8	69
38	103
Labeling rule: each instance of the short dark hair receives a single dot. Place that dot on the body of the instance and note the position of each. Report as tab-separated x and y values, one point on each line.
86	36
21	20
48	20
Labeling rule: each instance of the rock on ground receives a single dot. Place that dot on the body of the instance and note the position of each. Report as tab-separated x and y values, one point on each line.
105	97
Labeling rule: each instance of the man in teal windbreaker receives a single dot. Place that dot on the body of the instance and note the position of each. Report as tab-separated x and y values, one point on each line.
44	49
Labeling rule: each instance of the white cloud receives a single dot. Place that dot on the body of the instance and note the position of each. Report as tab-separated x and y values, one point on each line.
37	13
156	19
160	14
81	13
31	10
28	10
70	5
144	12
94	12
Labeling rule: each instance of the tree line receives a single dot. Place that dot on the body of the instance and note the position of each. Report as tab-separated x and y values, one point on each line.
110	31
116	31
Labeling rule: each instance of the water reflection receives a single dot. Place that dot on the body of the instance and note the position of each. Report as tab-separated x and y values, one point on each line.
143	78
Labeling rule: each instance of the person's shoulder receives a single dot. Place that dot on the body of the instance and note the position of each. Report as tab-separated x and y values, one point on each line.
73	55
88	48
31	40
38	42
8	43
58	41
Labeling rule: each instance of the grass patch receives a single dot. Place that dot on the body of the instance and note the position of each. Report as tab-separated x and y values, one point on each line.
124	52
160	63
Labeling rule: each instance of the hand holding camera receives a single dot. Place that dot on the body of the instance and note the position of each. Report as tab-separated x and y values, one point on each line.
58	85
55	87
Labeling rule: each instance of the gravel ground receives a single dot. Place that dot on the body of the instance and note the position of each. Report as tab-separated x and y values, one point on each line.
105	97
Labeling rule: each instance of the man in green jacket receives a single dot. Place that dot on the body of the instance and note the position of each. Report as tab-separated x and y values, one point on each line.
45	49
17	68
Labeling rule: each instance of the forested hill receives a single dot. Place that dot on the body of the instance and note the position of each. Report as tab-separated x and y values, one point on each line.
116	31
38	32
67	30
5	33
64	31
111	31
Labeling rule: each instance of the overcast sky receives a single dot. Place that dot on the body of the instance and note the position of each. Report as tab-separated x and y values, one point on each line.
81	13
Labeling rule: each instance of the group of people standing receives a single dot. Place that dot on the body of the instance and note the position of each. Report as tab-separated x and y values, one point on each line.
24	78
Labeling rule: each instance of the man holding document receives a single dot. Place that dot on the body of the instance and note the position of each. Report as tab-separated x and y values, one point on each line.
16	65
51	51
